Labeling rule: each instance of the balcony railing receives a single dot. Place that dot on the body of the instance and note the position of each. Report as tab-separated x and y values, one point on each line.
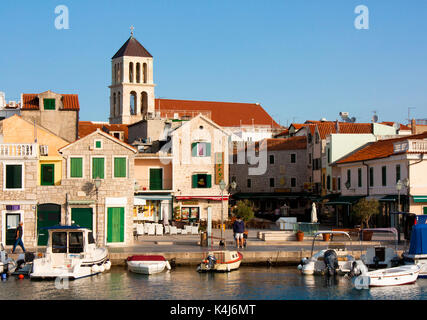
410	146
144	185
18	150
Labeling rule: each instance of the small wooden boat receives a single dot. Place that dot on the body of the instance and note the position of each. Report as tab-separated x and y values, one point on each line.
147	264
405	274
221	261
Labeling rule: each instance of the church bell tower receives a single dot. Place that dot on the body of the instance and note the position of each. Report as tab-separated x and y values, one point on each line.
132	86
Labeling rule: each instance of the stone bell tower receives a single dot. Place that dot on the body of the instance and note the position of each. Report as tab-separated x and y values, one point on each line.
132	86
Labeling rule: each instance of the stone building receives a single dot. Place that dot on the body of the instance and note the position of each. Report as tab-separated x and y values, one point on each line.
98	186
59	113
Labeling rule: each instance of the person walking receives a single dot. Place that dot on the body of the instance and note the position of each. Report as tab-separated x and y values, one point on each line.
238	229
18	238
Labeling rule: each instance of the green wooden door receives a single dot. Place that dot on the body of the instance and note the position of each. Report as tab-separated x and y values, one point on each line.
48	215
47	177
116	224
82	217
156	176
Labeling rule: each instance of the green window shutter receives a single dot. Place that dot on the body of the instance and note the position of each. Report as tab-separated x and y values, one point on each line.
384	175
194	179
156	179
98	144
98	168
425	210
208	181
76	170
47	175
208	149
13	176
119	167
122	224
49	104
194	149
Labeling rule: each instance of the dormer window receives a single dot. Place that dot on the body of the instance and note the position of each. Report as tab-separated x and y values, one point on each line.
49	104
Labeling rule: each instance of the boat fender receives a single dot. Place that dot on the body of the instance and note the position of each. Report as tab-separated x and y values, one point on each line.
168	266
102	268
107	265
95	268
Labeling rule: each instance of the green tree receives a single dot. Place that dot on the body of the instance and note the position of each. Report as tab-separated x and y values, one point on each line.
365	209
244	209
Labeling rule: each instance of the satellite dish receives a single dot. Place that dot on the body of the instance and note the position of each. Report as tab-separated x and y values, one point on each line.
396	126
375	118
353	119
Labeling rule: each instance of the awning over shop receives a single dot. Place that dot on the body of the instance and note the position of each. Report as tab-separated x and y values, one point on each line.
202	197
153	197
273	195
418	199
80	202
345	200
390	198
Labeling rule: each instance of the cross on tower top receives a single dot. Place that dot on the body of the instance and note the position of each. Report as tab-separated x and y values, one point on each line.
131	30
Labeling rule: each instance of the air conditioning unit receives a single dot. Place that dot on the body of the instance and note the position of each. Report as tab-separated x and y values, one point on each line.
44	150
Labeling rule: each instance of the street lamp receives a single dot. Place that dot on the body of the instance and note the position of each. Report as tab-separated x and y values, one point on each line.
399	186
97	182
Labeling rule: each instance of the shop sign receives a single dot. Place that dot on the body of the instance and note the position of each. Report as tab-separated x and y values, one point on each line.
219	167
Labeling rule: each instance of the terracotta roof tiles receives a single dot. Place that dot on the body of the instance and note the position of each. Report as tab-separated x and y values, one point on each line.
87	127
30	101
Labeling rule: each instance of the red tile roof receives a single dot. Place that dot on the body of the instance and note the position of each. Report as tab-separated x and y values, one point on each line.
377	150
30	101
225	114
87	127
292	143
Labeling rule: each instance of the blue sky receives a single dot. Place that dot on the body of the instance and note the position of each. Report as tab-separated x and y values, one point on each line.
301	59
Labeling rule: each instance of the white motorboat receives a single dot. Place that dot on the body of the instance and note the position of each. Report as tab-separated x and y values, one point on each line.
334	259
147	264
401	275
7	264
380	256
221	261
417	253
71	253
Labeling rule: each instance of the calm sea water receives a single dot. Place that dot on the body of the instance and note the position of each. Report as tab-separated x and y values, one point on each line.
184	283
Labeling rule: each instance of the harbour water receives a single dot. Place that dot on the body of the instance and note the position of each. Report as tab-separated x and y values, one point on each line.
184	283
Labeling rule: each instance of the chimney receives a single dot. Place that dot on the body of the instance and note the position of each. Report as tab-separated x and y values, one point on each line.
337	126
413	126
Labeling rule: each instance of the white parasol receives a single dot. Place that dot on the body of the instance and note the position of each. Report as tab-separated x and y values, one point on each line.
313	213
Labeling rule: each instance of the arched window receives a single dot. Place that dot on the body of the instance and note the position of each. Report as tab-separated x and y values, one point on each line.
119	72
144	72
133	103
114	105
138	72
119	103
131	72
144	102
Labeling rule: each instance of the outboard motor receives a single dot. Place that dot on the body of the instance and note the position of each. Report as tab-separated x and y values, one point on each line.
211	261
357	268
331	261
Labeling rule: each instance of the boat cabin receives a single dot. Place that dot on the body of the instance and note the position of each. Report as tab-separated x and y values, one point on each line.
69	239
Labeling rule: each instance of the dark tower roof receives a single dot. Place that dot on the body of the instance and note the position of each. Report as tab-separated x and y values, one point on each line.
132	48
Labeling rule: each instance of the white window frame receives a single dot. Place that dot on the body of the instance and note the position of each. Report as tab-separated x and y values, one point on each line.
91	167
69	166
94	144
22	164
113	164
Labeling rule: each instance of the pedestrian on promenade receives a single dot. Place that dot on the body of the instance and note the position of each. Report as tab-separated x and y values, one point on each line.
238	229
18	238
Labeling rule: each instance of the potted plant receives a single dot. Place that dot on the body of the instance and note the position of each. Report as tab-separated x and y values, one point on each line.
300	235
364	210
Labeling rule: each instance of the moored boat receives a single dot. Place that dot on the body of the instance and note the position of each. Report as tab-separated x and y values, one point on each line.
417	253
7	264
401	275
147	264
71	253
221	261
332	260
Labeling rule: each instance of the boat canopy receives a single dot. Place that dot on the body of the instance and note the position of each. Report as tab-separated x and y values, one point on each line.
418	244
